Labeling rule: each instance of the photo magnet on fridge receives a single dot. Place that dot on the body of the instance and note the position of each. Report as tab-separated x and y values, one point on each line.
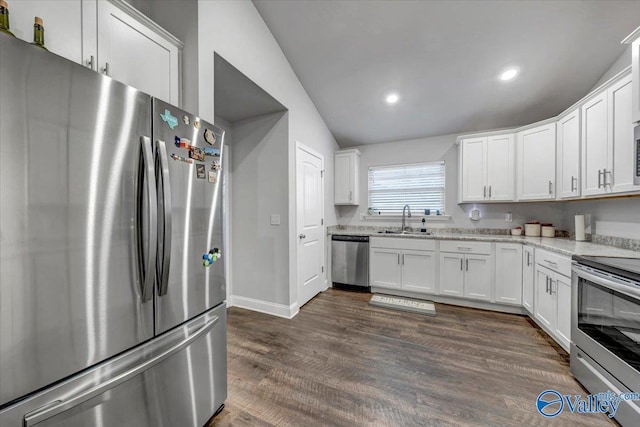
209	136
200	171
196	124
185	119
196	153
182	142
213	177
208	151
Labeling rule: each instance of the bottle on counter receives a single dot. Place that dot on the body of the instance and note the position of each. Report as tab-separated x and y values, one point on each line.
38	33
4	18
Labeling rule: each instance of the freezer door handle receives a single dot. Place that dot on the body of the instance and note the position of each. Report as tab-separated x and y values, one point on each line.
161	152
59	406
146	175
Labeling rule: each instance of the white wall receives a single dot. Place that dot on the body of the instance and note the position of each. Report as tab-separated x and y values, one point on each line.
436	149
236	31
259	261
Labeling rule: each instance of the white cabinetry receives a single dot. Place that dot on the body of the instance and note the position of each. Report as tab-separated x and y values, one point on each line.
466	271
536	166
568	155
634	40
137	54
107	36
528	278
346	177
409	265
70	29
607	141
552	306
487	168
508	284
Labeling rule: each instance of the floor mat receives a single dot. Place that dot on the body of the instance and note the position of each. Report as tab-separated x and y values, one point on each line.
405	304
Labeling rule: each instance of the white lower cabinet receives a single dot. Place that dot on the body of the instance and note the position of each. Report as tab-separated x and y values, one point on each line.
528	278
451	274
508	284
466	275
552	306
403	264
385	268
419	271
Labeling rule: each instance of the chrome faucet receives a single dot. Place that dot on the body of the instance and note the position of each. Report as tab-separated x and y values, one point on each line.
404	209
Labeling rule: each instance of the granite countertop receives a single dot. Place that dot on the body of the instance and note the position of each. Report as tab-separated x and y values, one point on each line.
559	245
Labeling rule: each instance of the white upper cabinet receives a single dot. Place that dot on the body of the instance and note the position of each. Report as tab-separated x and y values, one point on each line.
137	54
634	40
473	168
607	141
346	175
486	168
594	144
568	155
63	21
500	171
621	141
109	37
536	167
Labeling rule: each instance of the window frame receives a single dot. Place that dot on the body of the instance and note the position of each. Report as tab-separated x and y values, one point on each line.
443	212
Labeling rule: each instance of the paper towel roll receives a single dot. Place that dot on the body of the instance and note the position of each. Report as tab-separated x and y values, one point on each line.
580	237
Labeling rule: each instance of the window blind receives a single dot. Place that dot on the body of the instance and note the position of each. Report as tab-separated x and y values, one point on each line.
421	186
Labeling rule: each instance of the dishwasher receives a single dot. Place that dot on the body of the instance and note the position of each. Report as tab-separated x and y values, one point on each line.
350	262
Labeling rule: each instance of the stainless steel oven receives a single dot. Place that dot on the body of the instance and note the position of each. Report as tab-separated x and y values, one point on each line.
605	329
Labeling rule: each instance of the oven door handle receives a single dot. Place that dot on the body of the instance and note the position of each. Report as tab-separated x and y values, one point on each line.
601	280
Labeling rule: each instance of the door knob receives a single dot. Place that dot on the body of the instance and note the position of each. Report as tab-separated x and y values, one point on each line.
302	236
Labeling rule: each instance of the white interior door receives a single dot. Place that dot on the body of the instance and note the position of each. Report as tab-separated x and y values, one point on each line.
310	208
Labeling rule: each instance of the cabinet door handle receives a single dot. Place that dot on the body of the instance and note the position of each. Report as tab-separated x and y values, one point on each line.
599	178
528	259
105	69
402	259
550	286
604	177
574	179
350	196
489	191
547	288
461	261
398	259
550	187
90	62
467	260
484	192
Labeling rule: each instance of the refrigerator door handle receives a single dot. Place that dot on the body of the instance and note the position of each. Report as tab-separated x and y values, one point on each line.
161	149
59	406
146	175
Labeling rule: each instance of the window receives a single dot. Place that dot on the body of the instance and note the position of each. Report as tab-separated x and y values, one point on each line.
421	186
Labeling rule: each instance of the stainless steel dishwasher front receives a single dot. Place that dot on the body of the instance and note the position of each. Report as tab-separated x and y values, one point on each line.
350	261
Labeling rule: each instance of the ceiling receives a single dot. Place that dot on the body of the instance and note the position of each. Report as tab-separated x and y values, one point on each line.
443	58
237	97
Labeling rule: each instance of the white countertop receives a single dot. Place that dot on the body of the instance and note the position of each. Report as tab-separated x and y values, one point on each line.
559	245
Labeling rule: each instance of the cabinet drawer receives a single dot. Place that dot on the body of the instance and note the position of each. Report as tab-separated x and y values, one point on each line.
556	262
465	247
403	243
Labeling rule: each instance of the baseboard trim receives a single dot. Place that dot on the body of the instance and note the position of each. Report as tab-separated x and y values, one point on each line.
454	301
272	308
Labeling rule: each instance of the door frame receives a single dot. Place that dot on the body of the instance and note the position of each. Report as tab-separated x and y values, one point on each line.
302	147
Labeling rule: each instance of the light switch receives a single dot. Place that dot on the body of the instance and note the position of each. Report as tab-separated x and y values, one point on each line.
275	219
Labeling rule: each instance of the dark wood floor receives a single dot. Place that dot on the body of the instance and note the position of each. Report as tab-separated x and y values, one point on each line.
341	362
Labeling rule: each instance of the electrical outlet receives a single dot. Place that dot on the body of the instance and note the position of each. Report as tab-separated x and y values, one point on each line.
275	219
508	217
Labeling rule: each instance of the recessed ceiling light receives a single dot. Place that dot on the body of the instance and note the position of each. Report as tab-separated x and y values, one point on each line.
392	98
509	74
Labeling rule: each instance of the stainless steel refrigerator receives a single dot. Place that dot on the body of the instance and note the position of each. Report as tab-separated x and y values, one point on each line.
112	281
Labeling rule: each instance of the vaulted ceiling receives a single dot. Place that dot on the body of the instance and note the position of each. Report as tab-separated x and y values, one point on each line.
443	59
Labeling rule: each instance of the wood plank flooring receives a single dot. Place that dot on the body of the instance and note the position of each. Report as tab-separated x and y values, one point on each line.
341	362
